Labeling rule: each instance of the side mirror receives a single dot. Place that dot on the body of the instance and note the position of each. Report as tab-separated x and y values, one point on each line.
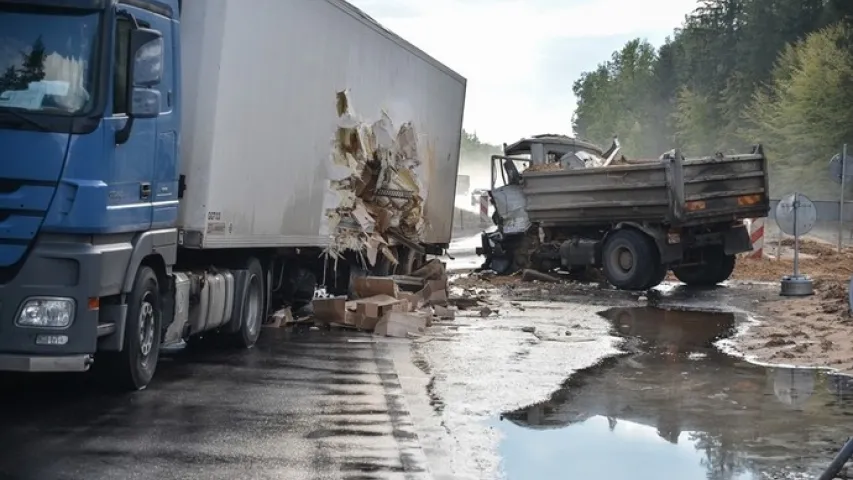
146	53
146	72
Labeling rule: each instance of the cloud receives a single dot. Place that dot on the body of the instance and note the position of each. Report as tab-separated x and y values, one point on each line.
522	56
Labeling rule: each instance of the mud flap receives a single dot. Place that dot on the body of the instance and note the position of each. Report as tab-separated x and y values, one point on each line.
736	240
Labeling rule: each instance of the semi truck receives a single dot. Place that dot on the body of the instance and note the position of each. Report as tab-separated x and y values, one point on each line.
577	206
176	168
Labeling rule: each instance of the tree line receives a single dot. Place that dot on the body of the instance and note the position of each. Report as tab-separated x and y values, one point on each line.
31	70
474	149
734	74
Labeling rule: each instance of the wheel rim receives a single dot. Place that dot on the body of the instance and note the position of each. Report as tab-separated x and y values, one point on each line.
253	306
624	259
147	321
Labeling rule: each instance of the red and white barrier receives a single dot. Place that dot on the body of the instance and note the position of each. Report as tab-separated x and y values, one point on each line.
484	209
756	236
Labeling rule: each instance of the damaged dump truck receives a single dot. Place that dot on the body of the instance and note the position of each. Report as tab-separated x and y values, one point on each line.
575	206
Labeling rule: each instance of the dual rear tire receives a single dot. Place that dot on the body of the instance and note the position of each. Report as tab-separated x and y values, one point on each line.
716	268
631	261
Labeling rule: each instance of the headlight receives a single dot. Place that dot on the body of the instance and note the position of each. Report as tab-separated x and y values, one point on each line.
47	312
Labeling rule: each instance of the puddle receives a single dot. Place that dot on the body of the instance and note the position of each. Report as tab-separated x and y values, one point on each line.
675	407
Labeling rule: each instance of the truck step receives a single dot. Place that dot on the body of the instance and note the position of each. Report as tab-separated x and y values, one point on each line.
173	348
105	329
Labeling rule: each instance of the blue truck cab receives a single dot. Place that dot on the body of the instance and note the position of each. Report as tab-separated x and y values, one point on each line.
89	182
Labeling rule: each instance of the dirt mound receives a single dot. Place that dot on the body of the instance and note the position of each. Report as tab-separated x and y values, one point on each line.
819	261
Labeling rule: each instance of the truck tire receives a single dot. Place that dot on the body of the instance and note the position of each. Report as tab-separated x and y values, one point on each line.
630	260
410	260
657	278
254	305
718	267
134	367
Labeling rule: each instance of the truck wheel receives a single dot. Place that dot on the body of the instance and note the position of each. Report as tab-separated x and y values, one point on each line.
254	305
410	260
134	366
657	278
629	260
726	268
718	267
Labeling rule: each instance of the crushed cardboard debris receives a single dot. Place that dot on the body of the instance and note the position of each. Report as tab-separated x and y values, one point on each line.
382	307
281	318
374	189
401	324
371	286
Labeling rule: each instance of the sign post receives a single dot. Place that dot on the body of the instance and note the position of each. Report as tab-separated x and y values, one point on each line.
841	203
839	172
796	215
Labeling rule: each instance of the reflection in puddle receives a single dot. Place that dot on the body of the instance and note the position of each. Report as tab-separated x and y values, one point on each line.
677	408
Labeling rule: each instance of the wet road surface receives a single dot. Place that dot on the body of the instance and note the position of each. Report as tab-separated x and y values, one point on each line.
480	366
675	404
315	405
519	393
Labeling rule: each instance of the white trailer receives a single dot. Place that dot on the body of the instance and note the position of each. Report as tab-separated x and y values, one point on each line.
260	81
305	128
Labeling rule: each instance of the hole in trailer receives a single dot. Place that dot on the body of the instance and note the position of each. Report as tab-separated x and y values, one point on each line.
676	407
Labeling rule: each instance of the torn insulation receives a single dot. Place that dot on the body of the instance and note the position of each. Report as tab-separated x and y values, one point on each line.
375	190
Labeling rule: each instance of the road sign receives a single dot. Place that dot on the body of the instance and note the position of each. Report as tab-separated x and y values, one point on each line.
806	214
835	167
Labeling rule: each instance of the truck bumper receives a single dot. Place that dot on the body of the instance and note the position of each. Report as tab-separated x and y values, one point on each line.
57	268
30	363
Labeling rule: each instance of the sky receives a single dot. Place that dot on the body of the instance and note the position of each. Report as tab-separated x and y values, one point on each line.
521	57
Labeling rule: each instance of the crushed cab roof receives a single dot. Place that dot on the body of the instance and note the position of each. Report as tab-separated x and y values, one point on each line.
523	145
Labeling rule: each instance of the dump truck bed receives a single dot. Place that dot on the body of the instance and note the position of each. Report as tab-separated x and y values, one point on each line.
673	191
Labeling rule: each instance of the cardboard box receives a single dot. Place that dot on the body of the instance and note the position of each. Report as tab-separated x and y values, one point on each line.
402	324
444	313
379	305
416	300
367	323
280	318
435	292
354	319
330	310
365	287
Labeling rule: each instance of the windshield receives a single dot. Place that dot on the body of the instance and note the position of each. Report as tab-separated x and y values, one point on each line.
46	60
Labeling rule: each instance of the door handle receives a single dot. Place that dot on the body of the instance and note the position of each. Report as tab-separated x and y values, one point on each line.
145	191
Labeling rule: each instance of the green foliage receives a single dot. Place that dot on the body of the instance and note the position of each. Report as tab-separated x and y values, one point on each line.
475	150
737	73
615	98
32	69
806	109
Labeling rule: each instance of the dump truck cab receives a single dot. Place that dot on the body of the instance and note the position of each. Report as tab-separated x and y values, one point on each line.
550	148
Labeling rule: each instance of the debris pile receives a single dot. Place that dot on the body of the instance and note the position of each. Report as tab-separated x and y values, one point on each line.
374	192
399	306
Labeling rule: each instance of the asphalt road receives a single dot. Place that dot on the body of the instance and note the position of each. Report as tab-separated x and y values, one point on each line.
342	405
316	405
